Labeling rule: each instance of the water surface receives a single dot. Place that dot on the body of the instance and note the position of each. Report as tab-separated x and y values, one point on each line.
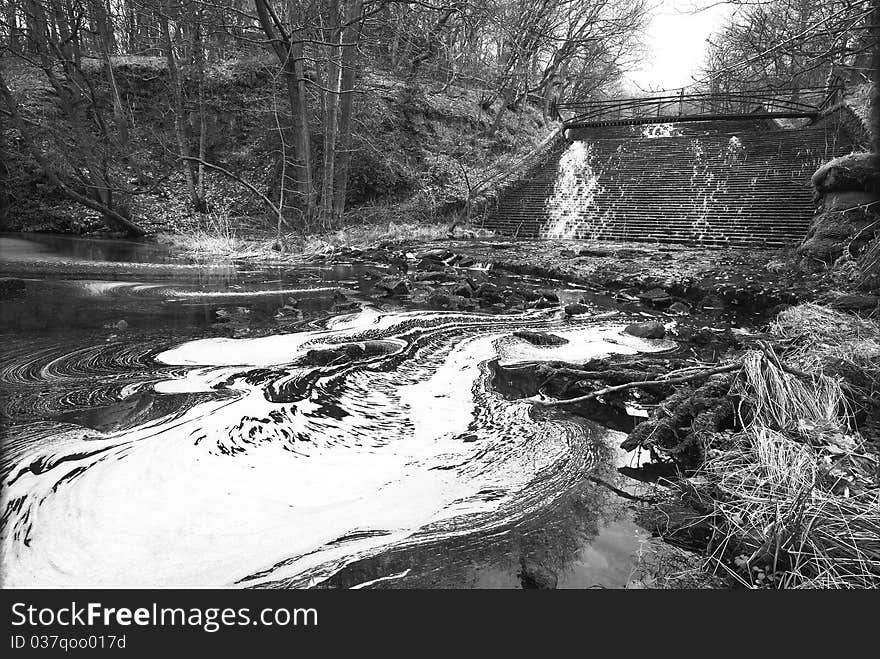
169	423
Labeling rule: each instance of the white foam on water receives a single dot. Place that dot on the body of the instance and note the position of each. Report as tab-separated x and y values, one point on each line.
242	490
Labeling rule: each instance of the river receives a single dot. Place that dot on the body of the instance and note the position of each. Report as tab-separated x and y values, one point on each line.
170	423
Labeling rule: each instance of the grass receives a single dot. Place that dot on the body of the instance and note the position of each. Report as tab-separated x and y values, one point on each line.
795	492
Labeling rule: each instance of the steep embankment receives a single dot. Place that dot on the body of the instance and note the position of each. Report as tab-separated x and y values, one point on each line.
417	147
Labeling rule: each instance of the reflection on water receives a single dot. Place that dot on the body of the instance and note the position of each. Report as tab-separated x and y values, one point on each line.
150	440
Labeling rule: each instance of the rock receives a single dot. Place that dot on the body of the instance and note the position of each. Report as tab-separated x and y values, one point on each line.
325	356
541	304
704	337
434	276
596	252
841	201
656	297
437	254
576	309
463	303
712	302
353	350
489	293
346	307
121	325
547	294
394	287
647	330
428	264
463	289
679	308
537	576
831	234
856	171
540	338
854	302
440	299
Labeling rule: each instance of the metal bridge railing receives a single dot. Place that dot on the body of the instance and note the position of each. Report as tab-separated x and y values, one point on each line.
803	102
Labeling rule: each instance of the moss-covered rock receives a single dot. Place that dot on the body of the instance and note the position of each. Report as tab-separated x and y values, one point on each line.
854	172
835	232
849	223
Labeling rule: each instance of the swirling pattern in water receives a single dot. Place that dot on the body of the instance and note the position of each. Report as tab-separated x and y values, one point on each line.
264	469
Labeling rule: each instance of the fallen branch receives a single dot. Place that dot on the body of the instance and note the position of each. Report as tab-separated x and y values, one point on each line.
773	358
643	383
621	493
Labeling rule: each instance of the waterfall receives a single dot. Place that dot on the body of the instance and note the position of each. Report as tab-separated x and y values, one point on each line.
572	206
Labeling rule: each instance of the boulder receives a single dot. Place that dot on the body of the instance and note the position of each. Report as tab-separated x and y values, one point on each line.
596	252
656	297
651	329
537	576
832	233
576	309
840	201
463	289
540	338
489	293
679	308
434	276
393	286
848	302
440	299
856	171
325	356
437	254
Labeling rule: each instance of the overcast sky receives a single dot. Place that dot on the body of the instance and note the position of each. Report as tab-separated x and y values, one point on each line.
676	43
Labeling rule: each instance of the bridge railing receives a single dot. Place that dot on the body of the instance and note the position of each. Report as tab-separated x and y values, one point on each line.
803	102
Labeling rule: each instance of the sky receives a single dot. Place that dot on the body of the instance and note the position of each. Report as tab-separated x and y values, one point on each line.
676	43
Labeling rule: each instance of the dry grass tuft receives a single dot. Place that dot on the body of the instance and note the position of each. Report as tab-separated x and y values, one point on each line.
795	493
815	335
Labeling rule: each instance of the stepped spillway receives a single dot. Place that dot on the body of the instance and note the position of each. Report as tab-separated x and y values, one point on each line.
711	183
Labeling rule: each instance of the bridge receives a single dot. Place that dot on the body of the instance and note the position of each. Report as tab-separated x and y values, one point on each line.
682	106
718	170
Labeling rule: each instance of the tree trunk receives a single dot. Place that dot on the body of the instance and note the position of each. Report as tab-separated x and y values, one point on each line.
105	39
290	52
178	107
874	118
350	38
331	108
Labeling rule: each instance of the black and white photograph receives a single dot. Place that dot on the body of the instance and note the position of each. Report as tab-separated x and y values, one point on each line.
438	295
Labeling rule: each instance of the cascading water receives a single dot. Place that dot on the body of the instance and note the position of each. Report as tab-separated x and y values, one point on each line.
660	130
572	208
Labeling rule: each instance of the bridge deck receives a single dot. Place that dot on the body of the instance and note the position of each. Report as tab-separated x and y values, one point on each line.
669	119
